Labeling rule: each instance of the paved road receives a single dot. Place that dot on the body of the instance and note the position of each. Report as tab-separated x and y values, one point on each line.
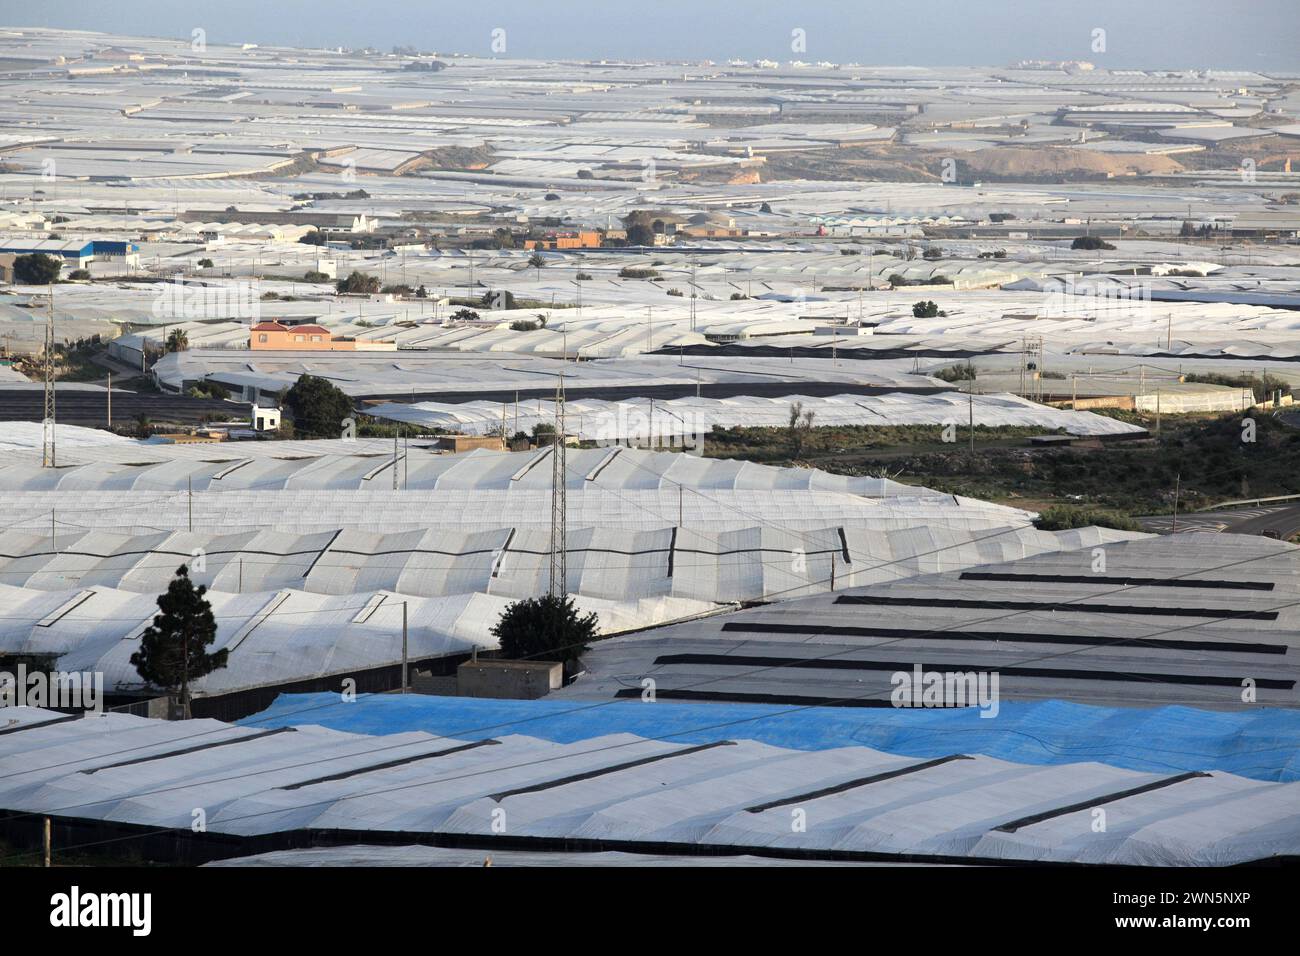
1283	518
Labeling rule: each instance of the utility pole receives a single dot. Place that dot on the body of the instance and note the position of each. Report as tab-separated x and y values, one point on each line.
970	404
559	518
692	295
110	400
48	458
405	682
1178	480
394	461
1024	349
190	483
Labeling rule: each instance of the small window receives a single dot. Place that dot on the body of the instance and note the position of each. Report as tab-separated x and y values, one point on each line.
315	338
299	338
261	337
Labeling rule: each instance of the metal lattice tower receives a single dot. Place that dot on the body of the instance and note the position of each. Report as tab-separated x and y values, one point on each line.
559	518
48	450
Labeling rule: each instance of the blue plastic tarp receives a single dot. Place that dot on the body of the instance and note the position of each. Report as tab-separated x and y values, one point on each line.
1263	744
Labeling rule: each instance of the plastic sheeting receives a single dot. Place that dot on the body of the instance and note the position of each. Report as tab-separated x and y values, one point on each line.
611	790
1262	744
652	422
367	465
469	510
1206	620
276	637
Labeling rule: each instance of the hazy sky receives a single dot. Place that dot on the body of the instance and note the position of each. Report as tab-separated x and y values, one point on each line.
1228	34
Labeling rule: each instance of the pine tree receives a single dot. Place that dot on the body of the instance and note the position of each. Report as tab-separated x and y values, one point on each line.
173	650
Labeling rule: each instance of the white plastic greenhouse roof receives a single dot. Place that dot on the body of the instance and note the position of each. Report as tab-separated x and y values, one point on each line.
423	856
746	564
283	636
595	420
608	792
467	509
367	465
1205	620
451	373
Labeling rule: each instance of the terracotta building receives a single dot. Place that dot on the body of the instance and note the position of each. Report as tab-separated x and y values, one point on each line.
273	335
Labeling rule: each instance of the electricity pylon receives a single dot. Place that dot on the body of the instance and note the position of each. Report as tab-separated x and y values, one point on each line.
559	518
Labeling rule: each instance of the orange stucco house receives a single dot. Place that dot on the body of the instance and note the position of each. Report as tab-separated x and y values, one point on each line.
273	335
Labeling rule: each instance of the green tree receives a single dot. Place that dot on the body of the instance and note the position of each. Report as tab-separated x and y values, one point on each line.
318	407
173	650
359	282
544	629
639	234
177	340
206	263
537	261
801	423
925	309
36	269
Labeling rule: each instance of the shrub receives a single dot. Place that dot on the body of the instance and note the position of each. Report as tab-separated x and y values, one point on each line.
544	629
1090	242
1063	518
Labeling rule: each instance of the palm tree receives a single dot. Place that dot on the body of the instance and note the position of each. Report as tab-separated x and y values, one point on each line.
177	340
536	260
